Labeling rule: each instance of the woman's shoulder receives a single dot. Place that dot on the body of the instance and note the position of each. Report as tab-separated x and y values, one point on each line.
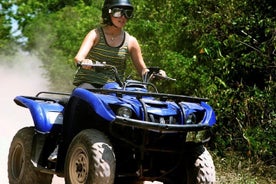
94	35
132	40
129	35
94	31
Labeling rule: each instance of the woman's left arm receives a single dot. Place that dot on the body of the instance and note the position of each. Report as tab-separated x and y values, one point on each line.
136	56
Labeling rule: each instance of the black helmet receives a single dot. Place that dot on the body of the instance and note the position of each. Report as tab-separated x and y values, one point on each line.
108	4
116	3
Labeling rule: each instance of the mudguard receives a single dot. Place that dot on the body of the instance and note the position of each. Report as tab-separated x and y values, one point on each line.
95	103
45	114
210	117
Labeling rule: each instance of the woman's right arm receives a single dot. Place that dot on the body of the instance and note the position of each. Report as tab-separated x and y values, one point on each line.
89	41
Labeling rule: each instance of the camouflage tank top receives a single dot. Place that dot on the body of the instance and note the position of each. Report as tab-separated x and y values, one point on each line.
102	52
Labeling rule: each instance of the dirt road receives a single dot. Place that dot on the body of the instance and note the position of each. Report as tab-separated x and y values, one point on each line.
21	78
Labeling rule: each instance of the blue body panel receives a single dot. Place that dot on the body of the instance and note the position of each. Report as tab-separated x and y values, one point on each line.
47	113
44	114
94	101
210	116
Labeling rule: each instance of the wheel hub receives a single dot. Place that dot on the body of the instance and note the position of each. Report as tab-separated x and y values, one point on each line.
80	167
17	161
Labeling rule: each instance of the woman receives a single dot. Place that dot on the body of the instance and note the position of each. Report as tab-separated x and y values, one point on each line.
111	44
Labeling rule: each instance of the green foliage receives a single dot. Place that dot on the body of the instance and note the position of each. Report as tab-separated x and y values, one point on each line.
246	120
56	38
223	50
6	40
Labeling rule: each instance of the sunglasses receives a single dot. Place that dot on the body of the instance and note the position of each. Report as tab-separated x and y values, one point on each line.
119	12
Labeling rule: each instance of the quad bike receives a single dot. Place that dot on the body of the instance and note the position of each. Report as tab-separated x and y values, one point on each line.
124	132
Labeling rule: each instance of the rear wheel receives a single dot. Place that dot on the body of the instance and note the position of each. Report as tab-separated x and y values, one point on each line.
90	159
20	168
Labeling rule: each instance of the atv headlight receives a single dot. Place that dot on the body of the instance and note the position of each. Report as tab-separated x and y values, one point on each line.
124	112
191	119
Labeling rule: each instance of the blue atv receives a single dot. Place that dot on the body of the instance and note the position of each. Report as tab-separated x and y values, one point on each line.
124	132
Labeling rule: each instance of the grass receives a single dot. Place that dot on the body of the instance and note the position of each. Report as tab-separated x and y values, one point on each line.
236	169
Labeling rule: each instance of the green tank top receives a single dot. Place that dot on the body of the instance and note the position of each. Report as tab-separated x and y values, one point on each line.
102	52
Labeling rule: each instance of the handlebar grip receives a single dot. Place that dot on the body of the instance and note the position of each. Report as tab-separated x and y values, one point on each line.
93	64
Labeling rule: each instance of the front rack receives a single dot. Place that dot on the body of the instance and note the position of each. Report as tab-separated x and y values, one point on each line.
161	96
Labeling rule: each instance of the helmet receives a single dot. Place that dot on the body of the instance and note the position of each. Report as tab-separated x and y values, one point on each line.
108	4
115	3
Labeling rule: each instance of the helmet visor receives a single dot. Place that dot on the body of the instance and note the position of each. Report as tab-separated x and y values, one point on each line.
119	12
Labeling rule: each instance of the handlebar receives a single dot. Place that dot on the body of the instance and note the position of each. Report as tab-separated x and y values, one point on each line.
98	64
152	73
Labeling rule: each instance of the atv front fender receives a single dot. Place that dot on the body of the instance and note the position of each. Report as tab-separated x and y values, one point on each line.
96	104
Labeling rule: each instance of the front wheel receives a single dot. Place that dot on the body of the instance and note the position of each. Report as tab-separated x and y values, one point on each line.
20	168
90	159
202	170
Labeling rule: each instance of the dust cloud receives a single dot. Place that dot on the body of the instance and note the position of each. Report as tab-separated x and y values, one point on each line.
21	75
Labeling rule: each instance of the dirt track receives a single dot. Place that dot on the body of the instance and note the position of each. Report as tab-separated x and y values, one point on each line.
23	78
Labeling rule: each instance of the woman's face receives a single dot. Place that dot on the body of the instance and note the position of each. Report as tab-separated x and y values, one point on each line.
120	15
119	22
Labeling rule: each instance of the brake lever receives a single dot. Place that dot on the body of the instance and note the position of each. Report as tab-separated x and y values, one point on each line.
164	77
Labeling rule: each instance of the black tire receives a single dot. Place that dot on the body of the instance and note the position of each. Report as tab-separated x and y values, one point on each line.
90	159
202	170
20	168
